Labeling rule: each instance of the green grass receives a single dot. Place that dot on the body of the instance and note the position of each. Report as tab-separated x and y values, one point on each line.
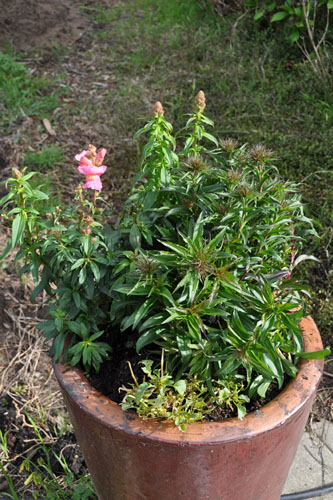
44	159
22	94
43	472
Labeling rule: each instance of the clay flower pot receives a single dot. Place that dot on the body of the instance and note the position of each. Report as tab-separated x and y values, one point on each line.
132	459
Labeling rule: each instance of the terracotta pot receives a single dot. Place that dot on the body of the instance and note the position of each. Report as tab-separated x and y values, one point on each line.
132	459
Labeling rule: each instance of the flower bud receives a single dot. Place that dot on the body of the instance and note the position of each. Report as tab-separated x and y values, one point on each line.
17	173
200	101
158	109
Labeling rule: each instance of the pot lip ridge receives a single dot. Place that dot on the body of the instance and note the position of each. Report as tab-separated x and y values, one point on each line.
286	406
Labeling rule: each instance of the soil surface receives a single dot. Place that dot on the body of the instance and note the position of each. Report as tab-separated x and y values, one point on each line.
22	441
28	24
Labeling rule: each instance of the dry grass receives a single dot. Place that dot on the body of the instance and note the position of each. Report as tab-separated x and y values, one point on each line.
26	374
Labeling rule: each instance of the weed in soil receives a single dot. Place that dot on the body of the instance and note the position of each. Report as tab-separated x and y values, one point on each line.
115	374
38	460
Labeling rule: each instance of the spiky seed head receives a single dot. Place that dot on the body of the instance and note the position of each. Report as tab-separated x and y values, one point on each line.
187	204
145	266
243	188
158	109
200	101
260	152
229	144
196	163
234	174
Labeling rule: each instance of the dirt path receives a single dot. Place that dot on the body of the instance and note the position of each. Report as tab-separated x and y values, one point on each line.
30	24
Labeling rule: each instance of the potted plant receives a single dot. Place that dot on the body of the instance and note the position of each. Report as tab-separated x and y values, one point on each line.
195	279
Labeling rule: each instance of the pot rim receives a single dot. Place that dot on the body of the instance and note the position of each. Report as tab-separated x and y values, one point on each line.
285	406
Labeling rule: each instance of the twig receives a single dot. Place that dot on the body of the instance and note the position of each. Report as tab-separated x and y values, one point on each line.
315	173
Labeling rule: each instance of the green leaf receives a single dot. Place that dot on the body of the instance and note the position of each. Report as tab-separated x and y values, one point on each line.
95	269
18	227
147	338
101	345
301	258
58	346
294	36
39	195
155	320
211	138
87	244
77	264
180	387
258	14
142	312
241	411
82	275
314	354
278	16
77	299
6	250
36	291
135	237
188	143
262	389
140	392
164	292
148	147
330	4
182	342
8	196
74	327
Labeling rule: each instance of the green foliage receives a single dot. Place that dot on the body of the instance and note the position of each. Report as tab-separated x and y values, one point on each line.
62	247
21	93
295	12
185	401
200	264
300	19
47	157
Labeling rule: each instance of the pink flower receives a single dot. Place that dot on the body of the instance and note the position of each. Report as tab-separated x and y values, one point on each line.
100	157
91	166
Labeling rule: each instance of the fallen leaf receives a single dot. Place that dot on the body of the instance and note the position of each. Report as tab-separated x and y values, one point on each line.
48	127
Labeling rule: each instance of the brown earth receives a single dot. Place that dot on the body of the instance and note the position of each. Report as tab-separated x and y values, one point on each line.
30	24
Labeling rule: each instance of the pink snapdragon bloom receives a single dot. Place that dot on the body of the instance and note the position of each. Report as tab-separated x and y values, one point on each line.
91	166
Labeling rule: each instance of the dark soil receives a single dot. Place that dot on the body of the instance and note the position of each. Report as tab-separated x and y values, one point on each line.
22	441
115	372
